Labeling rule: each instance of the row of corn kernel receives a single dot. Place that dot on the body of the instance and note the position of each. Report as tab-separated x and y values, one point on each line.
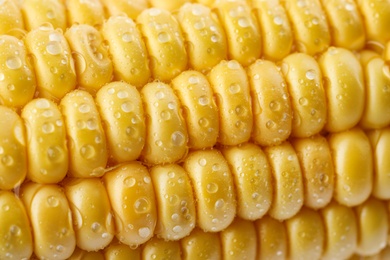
241	179
158	38
314	23
160	122
334	232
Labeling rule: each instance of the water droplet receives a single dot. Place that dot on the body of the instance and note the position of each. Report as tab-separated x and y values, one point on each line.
129	181
141	206
219	204
60	248
5	207
144	232
234	65
96	227
243	22
193	80
55	154
274	105
175	217
171	174
159	95
127	37
214	38
270	124
127	107
13	63
199	25
48	128
7	160
177	229
303	101
203	122
178	138
54	47
122	94
163	37
154	11
2	76
349	7
165	115
42	103
15	230
84	108
203	100
212	187
147	179
310	74
53	201
87	152
234	88
202	162
278	20
216	167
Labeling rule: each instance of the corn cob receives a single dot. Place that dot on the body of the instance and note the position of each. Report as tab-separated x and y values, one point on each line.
308	118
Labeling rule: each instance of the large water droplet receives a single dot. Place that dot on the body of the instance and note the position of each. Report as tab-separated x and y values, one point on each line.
54	47
13	62
141	205
87	151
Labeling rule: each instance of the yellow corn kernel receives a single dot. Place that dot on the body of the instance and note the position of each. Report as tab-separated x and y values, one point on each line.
344	88
80	254
309	25
120	108
51	220
118	251
277	37
305	232
304	81
272	239
201	245
346	24
93	67
242	30
17	79
15	233
231	89
160	249
199	108
170	5
46	141
132	200
213	187
377	79
38	12
380	143
91	211
84	12
372	220
13	156
376	17
176	214
239	240
341	231
130	8
53	62
10	17
353	164
127	50
86	139
252	178
271	104
204	35
317	170
164	42
166	133
287	176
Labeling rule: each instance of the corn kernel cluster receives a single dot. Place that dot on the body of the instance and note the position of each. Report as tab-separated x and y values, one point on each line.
225	129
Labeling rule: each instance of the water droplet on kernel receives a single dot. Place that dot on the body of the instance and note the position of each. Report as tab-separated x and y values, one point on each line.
212	187
87	151
54	47
13	63
141	206
53	201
